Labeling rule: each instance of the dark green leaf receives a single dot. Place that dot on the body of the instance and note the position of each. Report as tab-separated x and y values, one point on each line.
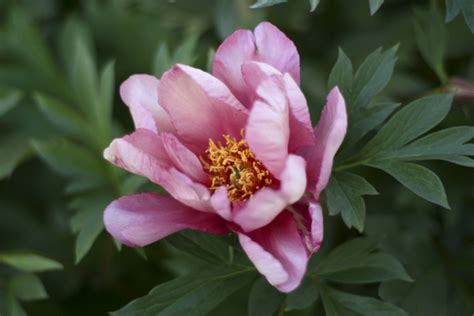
266	3
452	10
8	99
14	149
27	287
467	8
304	296
344	195
107	90
417	179
341	74
313	4
264	299
29	262
375	5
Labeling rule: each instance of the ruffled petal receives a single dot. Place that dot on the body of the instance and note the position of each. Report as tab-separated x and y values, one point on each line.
329	134
301	131
144	154
200	107
278	252
267	131
268	44
266	204
141	219
140	93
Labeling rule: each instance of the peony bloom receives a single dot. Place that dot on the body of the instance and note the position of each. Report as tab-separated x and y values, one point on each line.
235	150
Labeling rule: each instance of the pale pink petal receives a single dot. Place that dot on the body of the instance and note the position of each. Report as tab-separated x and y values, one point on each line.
317	225
143	153
267	131
268	45
309	220
276	49
184	159
231	54
141	219
301	131
267	203
278	252
329	134
140	93
221	203
200	107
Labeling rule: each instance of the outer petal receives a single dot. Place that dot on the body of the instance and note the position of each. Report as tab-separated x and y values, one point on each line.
141	219
266	204
329	133
140	93
311	225
278	252
143	153
268	45
267	131
200	107
301	131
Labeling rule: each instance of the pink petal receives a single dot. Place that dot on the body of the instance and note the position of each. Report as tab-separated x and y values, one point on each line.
278	252
141	219
140	93
268	45
143	153
301	131
267	131
200	106
276	49
184	159
221	203
329	133
317	225
266	204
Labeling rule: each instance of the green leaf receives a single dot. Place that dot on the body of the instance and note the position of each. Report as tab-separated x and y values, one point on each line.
467	8
372	76
407	124
304	296
341	74
369	268
340	303
452	10
27	287
9	305
431	39
264	299
184	54
107	91
29	262
417	179
162	61
375	5
344	195
14	149
313	4
9	98
191	295
266	3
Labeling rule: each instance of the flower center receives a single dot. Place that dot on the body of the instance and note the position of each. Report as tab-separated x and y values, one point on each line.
234	165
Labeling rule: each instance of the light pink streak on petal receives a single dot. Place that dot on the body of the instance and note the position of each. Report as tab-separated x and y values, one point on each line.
260	209
317	225
141	219
140	93
238	48
221	203
267	131
143	153
276	49
301	131
293	179
184	159
278	252
329	133
200	107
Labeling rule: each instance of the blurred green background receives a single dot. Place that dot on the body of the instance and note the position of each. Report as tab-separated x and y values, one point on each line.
61	62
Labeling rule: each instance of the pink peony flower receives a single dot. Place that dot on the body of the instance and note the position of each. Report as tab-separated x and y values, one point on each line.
235	150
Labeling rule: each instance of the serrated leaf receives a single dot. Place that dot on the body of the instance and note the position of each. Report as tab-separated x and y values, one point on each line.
375	5
9	98
408	123
303	297
266	3
417	179
431	40
341	74
191	295
29	262
341	302
264	299
344	195
27	287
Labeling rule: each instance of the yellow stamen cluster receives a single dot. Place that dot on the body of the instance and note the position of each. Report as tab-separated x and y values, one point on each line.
234	165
